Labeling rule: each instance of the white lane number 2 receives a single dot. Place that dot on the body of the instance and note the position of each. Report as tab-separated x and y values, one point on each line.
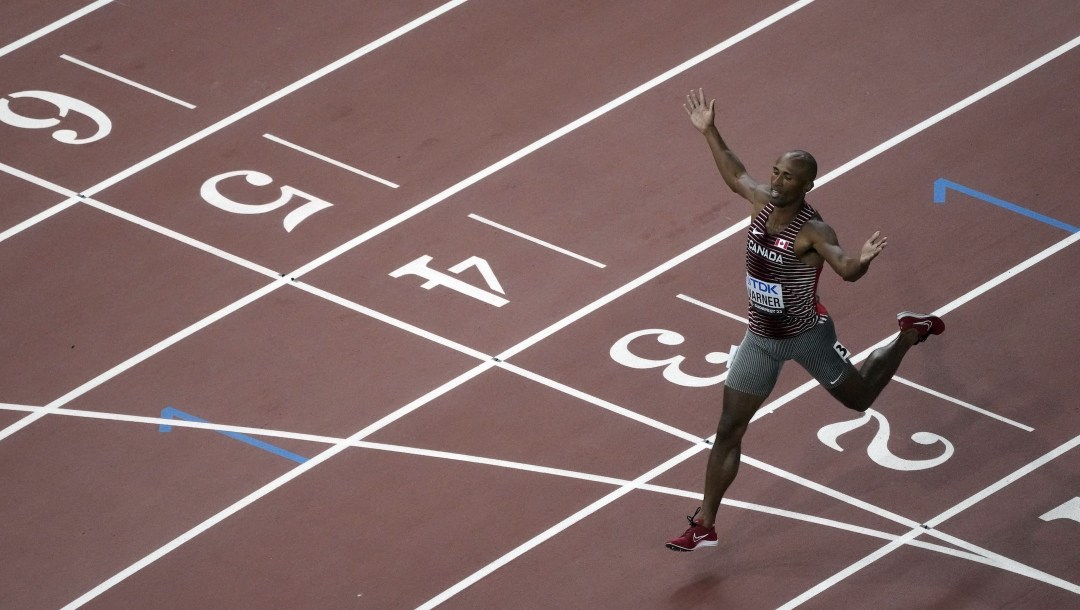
878	450
213	196
64	105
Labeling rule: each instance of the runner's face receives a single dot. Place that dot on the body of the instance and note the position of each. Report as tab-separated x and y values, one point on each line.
790	181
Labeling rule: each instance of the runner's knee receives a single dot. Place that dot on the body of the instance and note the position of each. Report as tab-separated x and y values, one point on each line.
853	393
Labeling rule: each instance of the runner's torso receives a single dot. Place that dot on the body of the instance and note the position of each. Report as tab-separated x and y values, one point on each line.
782	288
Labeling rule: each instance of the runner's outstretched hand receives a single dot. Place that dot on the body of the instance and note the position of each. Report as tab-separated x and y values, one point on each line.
701	115
872	248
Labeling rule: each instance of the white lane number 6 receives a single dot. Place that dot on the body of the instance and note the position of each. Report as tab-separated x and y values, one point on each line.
64	105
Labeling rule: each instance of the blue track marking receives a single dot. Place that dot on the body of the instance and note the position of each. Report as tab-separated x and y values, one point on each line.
941	185
172	413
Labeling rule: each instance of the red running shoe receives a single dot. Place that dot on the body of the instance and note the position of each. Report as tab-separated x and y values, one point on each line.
926	324
696	536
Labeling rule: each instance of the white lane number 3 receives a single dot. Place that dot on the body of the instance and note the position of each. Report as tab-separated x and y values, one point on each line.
620	352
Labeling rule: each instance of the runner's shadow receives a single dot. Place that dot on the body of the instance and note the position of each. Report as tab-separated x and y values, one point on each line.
700	592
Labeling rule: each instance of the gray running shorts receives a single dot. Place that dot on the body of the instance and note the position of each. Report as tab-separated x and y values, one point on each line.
758	360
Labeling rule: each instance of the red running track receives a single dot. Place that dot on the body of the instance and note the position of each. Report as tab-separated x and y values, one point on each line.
241	254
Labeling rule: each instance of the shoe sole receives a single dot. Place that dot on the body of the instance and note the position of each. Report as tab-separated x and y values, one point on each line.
703	543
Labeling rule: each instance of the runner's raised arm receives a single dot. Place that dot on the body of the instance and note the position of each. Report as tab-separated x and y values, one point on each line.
731	168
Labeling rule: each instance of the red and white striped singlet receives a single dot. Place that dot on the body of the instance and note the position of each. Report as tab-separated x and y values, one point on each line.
782	289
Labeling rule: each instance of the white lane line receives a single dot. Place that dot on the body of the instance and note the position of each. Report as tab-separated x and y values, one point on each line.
36	218
333	162
576	316
990	558
535	240
141	356
45	184
964	103
941	311
1004	482
863	355
645	478
556	529
712	308
275	484
626	288
473	459
183	144
59	23
555	135
128	81
603	404
872	533
273	97
848	571
1005	563
180	237
32	179
405	326
966	405
827	491
512	465
828	177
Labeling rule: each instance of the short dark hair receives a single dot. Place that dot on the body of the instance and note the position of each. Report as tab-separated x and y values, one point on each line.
808	159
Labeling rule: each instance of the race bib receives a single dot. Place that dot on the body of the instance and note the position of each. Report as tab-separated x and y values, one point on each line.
766	297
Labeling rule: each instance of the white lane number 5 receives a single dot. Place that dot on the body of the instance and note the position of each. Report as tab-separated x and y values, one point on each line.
213	196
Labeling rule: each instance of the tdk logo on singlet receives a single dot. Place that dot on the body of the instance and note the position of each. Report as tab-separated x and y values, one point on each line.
765	296
764	252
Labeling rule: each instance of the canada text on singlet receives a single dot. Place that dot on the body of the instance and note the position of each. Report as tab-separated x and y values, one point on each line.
782	288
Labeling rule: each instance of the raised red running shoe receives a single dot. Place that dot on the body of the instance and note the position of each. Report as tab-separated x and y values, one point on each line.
924	323
697	535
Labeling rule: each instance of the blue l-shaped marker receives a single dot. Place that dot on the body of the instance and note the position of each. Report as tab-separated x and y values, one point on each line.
941	185
171	413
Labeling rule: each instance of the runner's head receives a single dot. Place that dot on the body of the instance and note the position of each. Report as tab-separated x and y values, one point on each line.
792	177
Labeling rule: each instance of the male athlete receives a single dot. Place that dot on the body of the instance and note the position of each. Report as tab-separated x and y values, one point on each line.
787	246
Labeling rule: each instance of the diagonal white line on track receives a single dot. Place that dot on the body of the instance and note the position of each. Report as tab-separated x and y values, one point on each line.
828	177
966	405
473	459
141	356
712	308
275	484
273	97
32	179
89	193
535	240
770	407
548	139
405	326
36	218
180	237
992	559
417	209
325	159
127	81
554	328
59	23
941	311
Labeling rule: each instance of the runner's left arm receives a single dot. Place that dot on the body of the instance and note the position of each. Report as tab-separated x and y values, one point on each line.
845	265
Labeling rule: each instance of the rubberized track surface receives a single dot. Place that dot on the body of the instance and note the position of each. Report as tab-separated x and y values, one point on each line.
312	305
